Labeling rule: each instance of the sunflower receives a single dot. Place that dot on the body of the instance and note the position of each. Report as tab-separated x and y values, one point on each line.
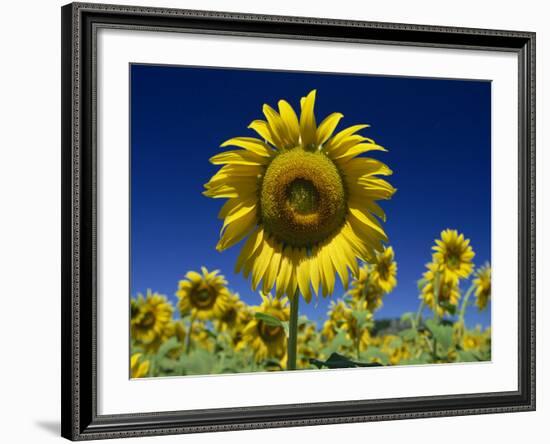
308	344
233	315
353	320
335	319
268	341
303	197
384	270
138	368
365	287
357	319
396	349
167	331
204	296
201	337
454	255
448	291
150	316
482	284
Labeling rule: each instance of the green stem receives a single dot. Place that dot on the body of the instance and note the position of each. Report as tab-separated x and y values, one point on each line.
437	280
465	304
293	331
418	317
189	332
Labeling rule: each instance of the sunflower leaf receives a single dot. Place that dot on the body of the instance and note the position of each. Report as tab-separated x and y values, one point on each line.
337	360
269	320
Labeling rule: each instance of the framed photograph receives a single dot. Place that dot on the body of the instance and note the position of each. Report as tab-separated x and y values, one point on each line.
278	221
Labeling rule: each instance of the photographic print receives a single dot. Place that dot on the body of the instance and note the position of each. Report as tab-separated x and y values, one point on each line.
287	220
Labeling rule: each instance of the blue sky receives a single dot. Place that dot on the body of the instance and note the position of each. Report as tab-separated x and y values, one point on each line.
438	133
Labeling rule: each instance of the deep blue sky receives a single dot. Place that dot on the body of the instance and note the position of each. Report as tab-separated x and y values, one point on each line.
438	133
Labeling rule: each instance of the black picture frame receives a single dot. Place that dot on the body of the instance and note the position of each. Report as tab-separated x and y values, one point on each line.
79	171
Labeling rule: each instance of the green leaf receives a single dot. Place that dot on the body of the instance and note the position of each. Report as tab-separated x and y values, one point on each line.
449	307
409	334
373	354
337	360
167	347
340	341
466	356
362	318
443	334
269	320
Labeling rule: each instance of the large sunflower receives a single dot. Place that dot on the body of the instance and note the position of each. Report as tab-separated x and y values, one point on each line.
454	255
482	283
150	316
203	296
268	341
304	197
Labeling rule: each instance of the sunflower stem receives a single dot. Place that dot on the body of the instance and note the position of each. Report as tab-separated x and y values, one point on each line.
418	317
188	338
437	281
293	331
463	308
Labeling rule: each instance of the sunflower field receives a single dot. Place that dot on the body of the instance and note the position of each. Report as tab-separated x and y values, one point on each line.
213	331
302	201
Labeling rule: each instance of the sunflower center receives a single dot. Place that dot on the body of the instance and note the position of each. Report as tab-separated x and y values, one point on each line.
453	259
383	271
230	316
269	333
303	197
303	200
148	320
203	298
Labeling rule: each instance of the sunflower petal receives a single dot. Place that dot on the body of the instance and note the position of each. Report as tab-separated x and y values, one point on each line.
303	275
262	128
291	121
308	127
249	248
236	231
273	269
277	127
251	144
238	158
327	127
261	263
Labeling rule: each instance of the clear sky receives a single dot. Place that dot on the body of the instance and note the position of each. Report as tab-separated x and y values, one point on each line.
438	133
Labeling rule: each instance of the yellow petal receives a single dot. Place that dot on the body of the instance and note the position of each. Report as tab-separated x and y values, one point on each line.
291	121
278	129
249	248
262	128
236	231
251	144
273	269
261	263
356	150
327	127
335	142
238	158
284	274
308	127
327	271
303	275
240	211
338	260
